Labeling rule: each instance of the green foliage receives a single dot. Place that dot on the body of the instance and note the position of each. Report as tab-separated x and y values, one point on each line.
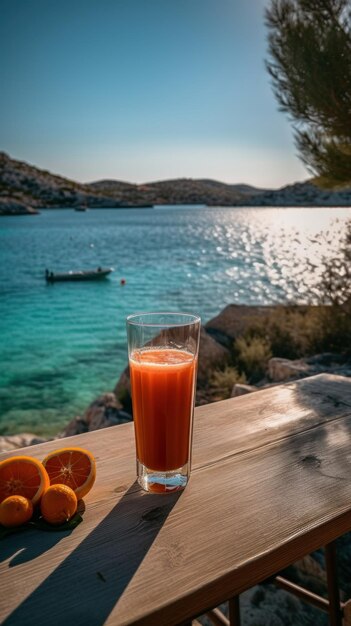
310	65
222	381
253	354
335	318
336	281
334	330
294	332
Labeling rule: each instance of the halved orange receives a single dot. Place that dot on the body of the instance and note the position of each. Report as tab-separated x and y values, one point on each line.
74	467
23	476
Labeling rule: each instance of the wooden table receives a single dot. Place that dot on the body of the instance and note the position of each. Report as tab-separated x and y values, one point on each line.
271	482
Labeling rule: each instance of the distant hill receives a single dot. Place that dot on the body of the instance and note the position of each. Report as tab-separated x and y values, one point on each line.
25	189
248	189
191	191
32	187
110	185
21	183
304	194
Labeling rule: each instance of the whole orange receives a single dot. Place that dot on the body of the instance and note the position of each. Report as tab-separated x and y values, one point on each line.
15	511
58	504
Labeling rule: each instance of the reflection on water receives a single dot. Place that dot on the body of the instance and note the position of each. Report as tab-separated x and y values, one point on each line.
65	343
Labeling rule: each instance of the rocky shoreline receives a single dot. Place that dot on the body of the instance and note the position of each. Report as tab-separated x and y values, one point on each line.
217	337
25	188
10	206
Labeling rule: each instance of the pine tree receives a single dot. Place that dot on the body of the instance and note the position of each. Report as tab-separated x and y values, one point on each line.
310	65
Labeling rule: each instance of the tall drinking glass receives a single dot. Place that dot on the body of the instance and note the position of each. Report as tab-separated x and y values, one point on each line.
163	351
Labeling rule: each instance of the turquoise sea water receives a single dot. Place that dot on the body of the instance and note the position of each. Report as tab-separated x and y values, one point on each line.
61	345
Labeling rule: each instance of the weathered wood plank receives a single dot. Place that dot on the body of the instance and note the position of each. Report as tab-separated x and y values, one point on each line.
232	426
228	427
266	489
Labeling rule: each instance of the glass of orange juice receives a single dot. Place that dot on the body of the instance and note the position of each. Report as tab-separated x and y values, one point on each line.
163	352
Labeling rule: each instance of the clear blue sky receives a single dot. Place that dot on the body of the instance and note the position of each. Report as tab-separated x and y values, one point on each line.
142	90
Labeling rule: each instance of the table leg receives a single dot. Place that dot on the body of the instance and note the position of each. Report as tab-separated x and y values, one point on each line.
335	617
234	611
219	619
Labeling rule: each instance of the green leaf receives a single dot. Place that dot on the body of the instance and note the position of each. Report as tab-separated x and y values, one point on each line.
41	524
10	531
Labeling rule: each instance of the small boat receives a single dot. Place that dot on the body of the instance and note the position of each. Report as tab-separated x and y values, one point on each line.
97	274
81	208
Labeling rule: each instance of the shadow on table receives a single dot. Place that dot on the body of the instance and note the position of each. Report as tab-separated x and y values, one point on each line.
22	548
24	545
86	586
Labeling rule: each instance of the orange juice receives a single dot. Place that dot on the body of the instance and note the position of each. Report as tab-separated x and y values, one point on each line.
163	385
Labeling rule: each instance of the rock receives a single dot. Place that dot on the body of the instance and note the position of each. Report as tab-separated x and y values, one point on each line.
329	362
310	568
280	370
285	369
105	411
76	426
122	391
326	359
212	356
10	206
233	321
239	389
14	442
